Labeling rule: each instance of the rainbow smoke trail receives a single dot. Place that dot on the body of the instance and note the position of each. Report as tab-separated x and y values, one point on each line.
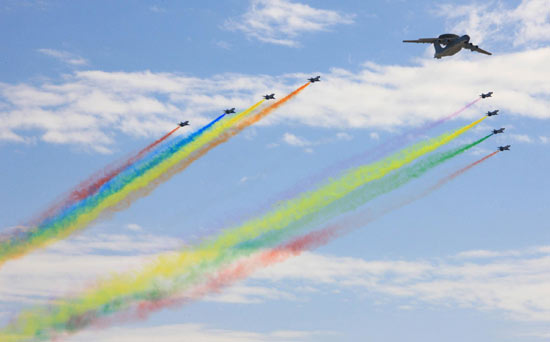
253	259
39	323
82	213
141	305
369	155
200	152
362	195
137	181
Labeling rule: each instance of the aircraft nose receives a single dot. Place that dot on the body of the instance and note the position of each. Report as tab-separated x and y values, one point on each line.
467	37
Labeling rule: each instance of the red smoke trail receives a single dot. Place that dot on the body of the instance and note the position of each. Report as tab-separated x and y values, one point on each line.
92	184
457	173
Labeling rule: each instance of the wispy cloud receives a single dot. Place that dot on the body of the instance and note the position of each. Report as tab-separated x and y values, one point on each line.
307	145
193	332
157	9
281	21
64	56
513	284
250	294
526	24
78	261
294	140
90	108
521	138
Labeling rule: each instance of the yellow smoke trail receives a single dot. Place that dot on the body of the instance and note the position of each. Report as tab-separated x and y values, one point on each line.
35	322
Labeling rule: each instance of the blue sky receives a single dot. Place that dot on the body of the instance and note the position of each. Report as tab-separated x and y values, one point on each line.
85	83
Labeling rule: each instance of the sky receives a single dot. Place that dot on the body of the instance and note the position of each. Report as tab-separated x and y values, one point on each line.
84	84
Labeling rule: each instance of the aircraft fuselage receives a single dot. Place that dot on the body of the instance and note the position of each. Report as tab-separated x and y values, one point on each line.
453	47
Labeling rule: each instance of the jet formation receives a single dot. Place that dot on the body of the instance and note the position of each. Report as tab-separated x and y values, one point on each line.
449	44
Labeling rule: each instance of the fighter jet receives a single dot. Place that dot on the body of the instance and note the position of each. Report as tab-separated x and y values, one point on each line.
184	123
269	97
229	111
504	148
489	94
494	112
452	44
497	131
314	79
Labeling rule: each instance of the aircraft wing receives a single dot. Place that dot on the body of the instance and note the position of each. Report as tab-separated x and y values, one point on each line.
422	40
476	48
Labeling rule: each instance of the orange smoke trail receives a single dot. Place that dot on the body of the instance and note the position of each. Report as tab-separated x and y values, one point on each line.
222	138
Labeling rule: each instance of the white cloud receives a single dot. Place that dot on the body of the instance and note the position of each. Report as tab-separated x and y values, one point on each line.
78	261
528	23
294	140
515	284
89	108
344	136
512	283
486	254
281	21
134	227
157	9
521	138
544	140
64	56
191	332
10	136
247	294
223	44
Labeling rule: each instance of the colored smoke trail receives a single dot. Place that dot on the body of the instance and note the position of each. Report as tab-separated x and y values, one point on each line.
362	195
110	294
96	181
248	258
459	172
219	139
86	211
370	155
427	127
248	264
239	270
137	181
